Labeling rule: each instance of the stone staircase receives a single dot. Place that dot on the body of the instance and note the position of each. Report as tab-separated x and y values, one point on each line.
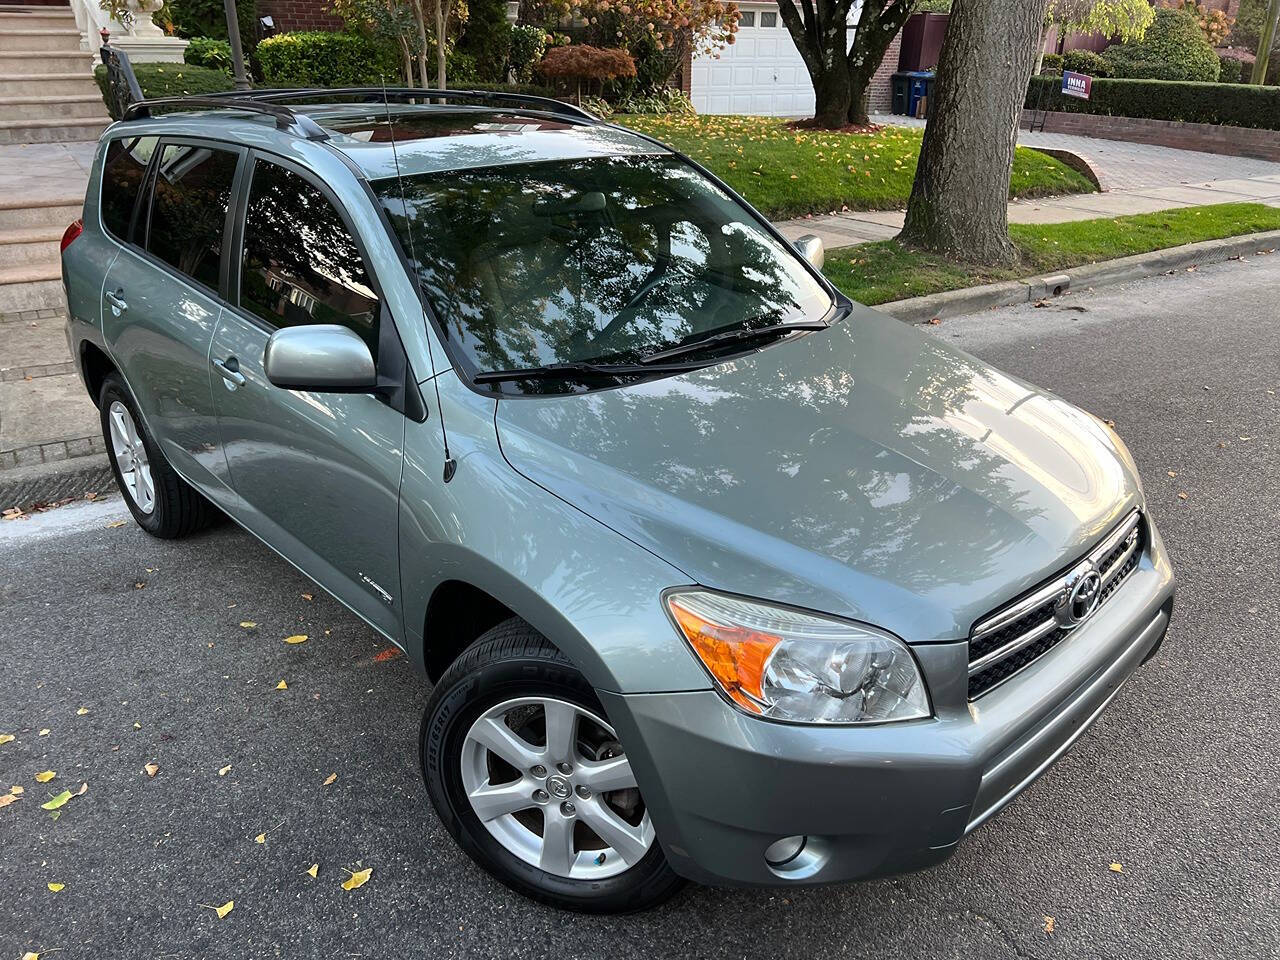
47	90
30	266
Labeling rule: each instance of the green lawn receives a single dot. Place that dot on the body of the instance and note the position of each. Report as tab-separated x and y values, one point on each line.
880	272
784	172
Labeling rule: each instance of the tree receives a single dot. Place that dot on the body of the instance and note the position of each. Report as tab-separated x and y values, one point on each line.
1126	19
1266	42
842	72
959	200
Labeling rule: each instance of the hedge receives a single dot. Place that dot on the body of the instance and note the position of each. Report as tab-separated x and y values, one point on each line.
1230	104
316	58
171	80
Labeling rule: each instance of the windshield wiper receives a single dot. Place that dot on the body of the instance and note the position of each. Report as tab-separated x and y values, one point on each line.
736	335
584	371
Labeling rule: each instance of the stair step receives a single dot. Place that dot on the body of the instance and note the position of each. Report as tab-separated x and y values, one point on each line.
76	106
45	62
52	214
52	19
31	272
51	131
49	39
30	245
48	84
37	295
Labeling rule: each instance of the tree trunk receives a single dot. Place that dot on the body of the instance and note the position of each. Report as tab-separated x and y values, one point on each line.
831	93
442	19
1265	42
959	200
420	18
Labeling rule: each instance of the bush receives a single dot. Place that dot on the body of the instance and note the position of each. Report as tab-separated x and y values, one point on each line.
1086	61
487	39
1231	69
208	52
318	59
583	62
171	80
1052	63
208	18
528	44
661	102
1232	104
1172	49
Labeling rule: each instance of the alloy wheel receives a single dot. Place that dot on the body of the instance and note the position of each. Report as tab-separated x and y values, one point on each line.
131	458
549	780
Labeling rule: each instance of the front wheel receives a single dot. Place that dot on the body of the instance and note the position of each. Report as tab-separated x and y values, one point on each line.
530	779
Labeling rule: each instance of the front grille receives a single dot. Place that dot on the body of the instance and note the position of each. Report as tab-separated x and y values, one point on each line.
1019	634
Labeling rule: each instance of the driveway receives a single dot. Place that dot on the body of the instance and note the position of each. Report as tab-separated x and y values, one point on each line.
130	651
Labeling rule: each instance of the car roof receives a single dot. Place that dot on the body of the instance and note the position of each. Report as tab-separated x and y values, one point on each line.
409	139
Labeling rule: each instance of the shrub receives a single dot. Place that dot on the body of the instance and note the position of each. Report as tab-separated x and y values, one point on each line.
1215	25
1231	69
1086	61
1052	63
1172	49
208	52
320	59
528	44
208	18
580	61
1232	104
171	80
664	101
487	39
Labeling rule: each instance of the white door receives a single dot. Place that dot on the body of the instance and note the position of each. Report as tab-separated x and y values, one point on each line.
762	73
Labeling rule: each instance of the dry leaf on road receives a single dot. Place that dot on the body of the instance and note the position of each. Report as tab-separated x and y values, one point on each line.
56	887
282	685
1117	868
225	770
313	870
82	711
248	624
7	799
221	911
357	879
5	738
329	779
151	769
45	776
1048	924
44	732
260	838
16	790
296	638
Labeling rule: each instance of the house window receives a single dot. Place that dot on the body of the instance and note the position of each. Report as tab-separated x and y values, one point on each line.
768	19
748	19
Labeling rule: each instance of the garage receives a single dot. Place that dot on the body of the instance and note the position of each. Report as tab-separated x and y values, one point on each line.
761	73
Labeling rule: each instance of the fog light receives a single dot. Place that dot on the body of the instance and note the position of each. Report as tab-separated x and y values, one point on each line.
783	851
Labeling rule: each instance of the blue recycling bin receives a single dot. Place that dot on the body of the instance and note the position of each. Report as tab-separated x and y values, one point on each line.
909	87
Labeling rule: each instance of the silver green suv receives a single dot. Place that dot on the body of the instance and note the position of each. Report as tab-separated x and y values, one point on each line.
717	574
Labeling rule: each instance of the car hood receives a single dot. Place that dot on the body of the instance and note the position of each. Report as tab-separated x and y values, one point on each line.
869	471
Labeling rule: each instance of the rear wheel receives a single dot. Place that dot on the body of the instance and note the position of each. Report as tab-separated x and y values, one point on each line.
161	502
529	777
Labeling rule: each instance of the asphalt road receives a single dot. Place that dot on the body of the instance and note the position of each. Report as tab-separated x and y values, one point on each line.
1177	782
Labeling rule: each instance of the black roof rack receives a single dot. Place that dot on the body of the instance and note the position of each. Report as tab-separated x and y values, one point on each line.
272	102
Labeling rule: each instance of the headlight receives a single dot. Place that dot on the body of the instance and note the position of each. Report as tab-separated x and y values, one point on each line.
797	667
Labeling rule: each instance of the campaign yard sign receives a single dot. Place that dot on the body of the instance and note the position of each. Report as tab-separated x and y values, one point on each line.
1076	84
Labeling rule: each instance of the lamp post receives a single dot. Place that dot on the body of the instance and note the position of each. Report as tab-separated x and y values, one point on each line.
237	52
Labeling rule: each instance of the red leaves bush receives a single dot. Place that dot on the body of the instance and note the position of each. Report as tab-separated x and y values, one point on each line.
584	62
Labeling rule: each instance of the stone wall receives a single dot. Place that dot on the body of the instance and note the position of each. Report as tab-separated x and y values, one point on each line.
1206	137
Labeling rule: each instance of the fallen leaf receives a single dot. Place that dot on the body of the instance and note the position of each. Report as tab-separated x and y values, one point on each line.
282	685
44	732
390	653
118	523
307	597
225	770
30	956
221	911
296	638
45	776
248	624
329	779
16	790
137	726
151	769
82	711
1117	868
357	879
1172	473
139	584
260	838
1048	924
1182	496
7	799
313	870
5	738
57	801
55	887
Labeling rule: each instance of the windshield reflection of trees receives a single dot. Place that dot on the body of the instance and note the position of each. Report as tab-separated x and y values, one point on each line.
604	259
867	446
189	209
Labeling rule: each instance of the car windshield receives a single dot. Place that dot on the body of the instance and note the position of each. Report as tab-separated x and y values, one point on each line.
605	260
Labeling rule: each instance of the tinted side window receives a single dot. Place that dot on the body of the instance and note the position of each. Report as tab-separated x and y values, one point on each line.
189	209
122	175
301	264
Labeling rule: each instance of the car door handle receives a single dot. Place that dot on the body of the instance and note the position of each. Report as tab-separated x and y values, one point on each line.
230	370
118	305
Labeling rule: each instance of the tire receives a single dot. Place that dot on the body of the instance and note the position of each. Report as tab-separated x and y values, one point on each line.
173	508
514	663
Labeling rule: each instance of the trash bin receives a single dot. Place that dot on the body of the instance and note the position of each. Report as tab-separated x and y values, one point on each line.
909	88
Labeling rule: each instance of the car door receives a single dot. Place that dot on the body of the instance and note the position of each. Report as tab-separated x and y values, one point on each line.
168	204
317	473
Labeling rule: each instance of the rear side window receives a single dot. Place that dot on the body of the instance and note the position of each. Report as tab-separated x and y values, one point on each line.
122	176
301	264
189	209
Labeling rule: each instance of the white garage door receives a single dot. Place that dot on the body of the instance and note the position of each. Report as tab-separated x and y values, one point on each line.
761	73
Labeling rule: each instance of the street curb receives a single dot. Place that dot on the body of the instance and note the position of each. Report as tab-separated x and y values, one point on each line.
955	303
51	482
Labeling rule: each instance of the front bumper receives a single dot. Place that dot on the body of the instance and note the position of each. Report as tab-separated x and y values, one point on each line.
722	787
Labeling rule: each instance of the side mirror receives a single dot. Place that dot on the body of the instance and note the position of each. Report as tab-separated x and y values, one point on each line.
812	249
323	357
